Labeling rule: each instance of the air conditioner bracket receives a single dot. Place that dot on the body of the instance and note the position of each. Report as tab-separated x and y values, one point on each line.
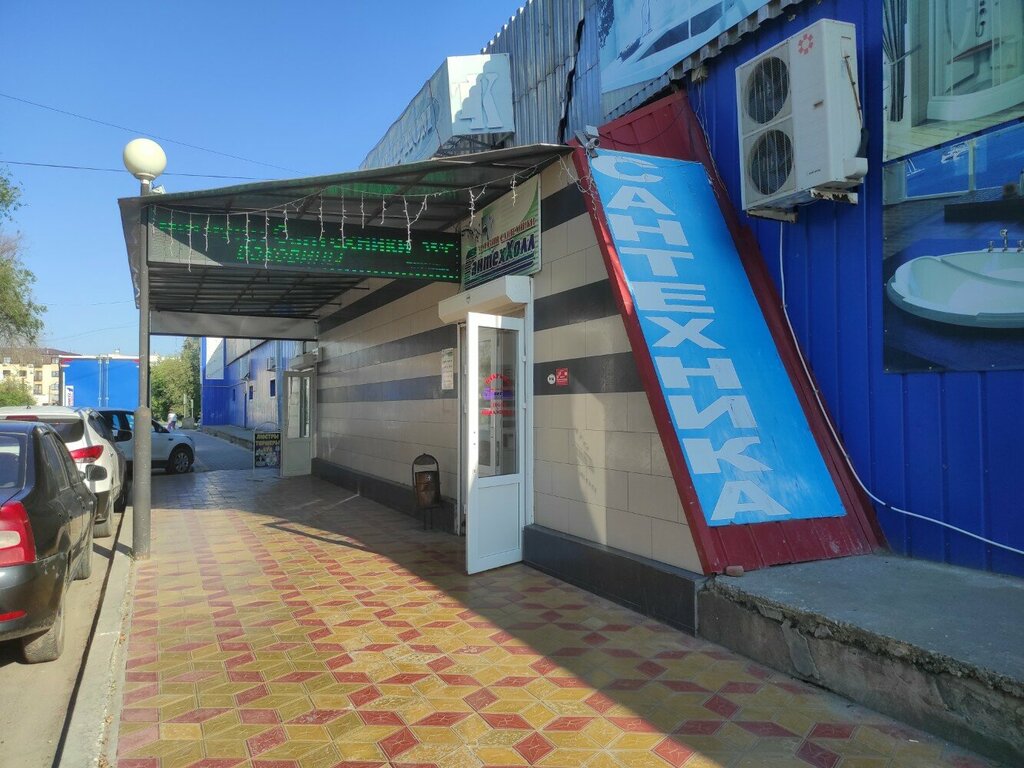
836	195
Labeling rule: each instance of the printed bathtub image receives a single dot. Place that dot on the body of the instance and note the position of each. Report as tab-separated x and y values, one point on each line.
976	288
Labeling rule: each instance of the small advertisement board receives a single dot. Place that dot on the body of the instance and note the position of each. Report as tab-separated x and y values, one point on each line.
266	450
508	241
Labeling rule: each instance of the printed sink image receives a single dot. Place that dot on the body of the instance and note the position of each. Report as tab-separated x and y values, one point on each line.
983	289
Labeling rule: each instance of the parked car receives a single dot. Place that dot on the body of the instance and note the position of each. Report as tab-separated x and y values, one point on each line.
46	513
173	451
89	441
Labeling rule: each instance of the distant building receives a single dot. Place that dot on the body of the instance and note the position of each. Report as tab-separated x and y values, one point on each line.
39	367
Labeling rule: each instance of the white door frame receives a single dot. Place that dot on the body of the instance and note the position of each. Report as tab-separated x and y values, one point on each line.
508	295
497	497
291	464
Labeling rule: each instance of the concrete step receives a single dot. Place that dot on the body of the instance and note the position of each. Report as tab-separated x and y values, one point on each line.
933	645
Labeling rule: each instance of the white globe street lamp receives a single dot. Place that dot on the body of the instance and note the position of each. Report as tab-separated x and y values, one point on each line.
145	160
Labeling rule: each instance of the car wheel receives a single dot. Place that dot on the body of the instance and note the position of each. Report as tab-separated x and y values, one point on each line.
122	500
48	645
84	569
106	528
180	461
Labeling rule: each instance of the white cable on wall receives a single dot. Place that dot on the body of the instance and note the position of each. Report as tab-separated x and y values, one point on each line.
828	421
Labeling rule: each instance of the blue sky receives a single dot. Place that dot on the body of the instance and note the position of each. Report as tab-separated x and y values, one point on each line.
307	86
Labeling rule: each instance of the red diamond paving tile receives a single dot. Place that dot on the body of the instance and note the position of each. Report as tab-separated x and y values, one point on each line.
599	703
650	668
289	631
398	742
673	753
721	706
569	724
764	728
266	741
832	731
443	719
700	727
365	696
817	756
380	718
505	720
534	748
480	699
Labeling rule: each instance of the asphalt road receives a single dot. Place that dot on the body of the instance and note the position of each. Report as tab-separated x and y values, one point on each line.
212	453
34	697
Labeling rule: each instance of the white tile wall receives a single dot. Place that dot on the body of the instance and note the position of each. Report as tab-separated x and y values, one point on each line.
382	438
600	471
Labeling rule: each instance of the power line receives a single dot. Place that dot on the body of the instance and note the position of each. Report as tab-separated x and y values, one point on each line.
144	133
86	333
122	170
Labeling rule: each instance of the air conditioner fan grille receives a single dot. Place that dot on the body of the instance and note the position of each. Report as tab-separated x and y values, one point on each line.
771	162
767	89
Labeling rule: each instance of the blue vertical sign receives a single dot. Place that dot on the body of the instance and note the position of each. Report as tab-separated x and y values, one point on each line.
742	431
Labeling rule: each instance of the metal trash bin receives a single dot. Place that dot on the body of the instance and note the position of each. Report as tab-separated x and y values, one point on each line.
426	486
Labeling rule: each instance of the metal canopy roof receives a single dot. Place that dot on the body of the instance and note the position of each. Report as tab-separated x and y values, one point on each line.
206	298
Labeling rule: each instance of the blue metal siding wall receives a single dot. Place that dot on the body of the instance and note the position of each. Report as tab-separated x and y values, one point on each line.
943	445
220	407
216	394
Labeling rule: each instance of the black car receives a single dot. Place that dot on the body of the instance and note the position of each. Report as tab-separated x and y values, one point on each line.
46	512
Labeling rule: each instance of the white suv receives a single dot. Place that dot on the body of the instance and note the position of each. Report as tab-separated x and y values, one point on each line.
89	442
173	451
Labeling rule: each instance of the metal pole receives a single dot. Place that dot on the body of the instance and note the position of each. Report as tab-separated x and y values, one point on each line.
143	441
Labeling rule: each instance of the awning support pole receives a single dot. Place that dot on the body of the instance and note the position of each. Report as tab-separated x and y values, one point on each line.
143	441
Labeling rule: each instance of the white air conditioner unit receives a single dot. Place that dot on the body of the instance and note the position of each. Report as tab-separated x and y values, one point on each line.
271	364
800	121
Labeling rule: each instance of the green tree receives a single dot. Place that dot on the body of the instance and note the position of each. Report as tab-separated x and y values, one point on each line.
174	383
21	318
10	194
14	391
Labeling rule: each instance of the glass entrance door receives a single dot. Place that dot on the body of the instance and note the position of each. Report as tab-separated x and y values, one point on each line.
494	441
297	440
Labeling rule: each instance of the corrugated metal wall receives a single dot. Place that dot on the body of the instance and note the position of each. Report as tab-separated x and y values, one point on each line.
942	445
541	42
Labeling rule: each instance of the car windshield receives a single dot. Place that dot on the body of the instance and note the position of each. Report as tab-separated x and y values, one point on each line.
11	453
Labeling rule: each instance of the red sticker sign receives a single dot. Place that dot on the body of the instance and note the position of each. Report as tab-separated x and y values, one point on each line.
561	377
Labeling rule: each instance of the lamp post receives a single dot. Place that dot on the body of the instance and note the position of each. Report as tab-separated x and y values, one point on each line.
145	160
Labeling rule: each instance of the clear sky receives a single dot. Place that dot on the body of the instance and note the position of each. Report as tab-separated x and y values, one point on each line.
308	86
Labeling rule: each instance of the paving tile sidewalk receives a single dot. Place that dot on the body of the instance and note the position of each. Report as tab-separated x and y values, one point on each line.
285	623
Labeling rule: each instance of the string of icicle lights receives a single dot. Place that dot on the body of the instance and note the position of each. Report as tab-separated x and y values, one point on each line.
348	194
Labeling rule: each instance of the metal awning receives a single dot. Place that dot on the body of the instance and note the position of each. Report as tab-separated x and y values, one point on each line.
288	264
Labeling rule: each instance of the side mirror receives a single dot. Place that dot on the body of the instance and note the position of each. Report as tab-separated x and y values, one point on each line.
95	473
122	435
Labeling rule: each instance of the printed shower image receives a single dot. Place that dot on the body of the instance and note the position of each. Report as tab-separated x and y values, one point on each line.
953	250
952	67
641	40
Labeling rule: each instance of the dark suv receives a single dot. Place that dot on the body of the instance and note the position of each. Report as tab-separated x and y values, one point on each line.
46	513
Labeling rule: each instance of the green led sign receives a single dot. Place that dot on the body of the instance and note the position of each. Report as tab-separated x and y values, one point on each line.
297	245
